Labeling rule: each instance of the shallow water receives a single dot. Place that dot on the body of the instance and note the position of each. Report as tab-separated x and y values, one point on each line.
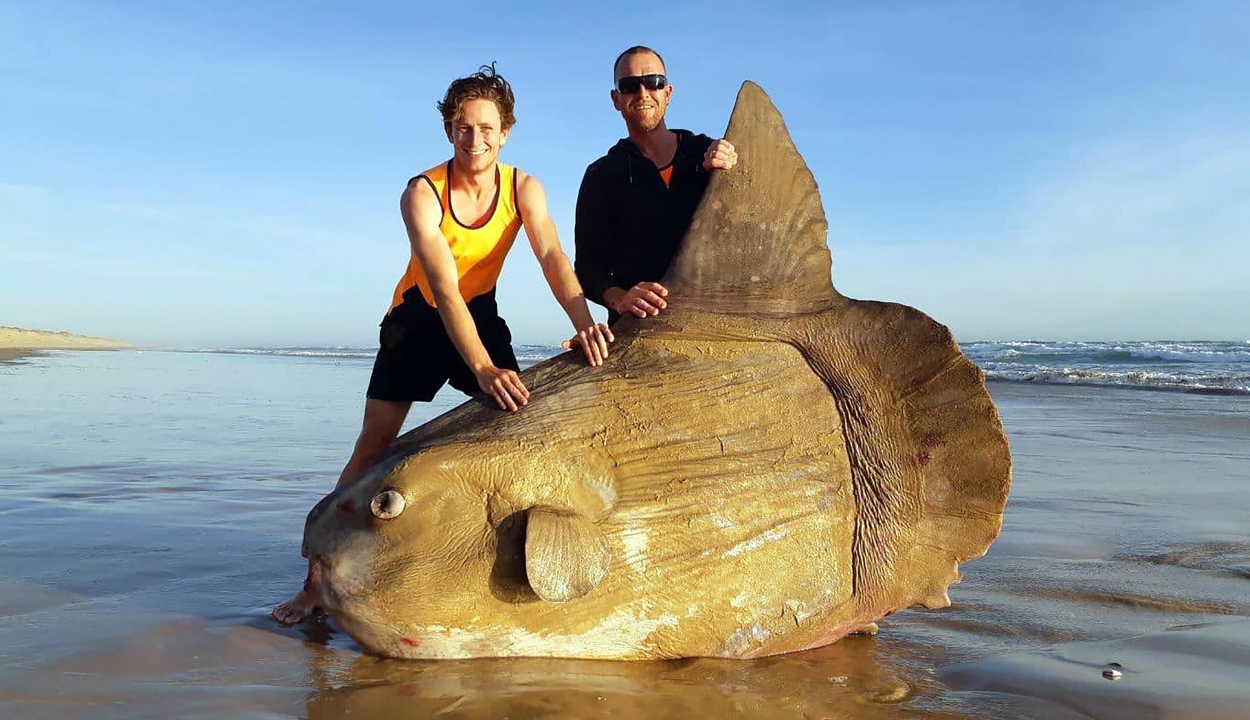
151	507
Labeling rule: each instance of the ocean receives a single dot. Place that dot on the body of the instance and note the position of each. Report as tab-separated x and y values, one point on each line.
1193	366
152	504
1190	366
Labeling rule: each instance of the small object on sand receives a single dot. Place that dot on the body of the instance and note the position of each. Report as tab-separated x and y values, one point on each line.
1112	674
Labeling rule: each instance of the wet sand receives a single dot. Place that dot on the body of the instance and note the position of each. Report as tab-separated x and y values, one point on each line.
136	583
1197	671
11	354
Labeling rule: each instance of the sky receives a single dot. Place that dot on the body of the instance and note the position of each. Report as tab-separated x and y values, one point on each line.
227	174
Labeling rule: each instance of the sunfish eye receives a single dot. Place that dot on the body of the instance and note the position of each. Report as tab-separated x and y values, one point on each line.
387	504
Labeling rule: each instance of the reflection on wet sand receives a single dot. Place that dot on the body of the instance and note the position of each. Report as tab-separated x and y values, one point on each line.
849	679
160	666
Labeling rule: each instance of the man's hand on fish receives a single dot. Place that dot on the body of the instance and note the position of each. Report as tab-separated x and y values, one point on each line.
504	386
593	341
720	155
643	299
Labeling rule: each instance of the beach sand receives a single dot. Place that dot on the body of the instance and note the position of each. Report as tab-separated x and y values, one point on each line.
150	525
1197	671
18	342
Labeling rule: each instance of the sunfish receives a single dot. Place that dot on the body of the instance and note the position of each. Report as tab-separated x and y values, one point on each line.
765	467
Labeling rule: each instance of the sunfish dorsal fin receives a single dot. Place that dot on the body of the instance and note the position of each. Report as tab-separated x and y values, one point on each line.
757	244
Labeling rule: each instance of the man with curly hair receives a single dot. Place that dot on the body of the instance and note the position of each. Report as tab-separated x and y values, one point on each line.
443	325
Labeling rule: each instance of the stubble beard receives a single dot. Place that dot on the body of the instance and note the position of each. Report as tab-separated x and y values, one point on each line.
646	123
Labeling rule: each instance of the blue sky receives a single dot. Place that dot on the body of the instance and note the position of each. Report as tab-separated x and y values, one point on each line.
227	173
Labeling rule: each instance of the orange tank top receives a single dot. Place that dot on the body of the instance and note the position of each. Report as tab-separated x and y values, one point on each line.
479	249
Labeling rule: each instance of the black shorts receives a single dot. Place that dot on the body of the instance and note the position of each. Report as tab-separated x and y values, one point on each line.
416	356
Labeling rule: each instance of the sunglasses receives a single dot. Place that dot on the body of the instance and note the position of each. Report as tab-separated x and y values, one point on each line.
631	85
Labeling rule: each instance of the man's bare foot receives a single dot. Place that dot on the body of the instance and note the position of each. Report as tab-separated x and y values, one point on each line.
297	609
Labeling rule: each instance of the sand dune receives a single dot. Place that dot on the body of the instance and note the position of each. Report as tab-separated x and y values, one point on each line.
16	342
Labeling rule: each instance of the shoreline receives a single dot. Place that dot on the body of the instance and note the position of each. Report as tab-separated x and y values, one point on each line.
18	344
8	355
1218	391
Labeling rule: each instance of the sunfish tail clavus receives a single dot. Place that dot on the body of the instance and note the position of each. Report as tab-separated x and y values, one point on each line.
765	467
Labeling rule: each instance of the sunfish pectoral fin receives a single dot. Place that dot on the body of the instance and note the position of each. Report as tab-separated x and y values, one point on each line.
758	242
566	555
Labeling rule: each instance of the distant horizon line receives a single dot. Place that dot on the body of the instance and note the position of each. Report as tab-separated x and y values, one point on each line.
344	346
132	345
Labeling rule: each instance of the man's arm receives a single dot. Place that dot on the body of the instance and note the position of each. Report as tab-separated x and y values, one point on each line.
590	238
648	298
541	230
422	213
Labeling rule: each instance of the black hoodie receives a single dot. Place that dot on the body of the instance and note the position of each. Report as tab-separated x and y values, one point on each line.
629	224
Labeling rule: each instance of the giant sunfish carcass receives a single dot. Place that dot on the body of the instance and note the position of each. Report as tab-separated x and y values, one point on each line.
763	468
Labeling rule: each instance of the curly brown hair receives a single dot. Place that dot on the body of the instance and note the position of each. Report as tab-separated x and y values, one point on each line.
485	84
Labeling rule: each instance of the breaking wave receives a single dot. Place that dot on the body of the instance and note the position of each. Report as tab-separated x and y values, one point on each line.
1216	367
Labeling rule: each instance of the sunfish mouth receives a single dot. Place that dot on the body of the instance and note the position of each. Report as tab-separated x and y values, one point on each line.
315	584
